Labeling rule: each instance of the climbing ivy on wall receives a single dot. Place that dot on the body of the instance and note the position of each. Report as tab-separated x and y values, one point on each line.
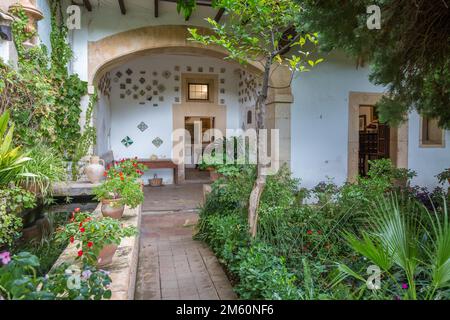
43	98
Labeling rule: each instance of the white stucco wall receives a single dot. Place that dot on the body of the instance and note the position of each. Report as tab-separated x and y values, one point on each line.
428	161
319	127
44	25
127	112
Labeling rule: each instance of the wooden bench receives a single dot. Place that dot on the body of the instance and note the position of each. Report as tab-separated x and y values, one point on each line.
161	164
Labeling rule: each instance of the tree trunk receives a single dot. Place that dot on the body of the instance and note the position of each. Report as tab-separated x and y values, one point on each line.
260	183
253	205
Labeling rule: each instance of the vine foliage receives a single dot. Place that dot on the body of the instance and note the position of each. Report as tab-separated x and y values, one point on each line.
41	95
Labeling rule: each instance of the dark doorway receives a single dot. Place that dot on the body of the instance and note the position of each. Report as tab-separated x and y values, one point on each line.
374	138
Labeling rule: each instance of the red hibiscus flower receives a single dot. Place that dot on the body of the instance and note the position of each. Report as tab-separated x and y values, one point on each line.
90	244
82	230
72	239
80	253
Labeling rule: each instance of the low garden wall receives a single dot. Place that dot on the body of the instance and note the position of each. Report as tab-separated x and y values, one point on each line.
123	269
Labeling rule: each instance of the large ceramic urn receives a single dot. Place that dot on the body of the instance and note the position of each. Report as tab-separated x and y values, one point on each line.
95	169
33	15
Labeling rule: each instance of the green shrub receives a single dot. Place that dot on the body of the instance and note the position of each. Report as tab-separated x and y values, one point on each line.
262	275
12	201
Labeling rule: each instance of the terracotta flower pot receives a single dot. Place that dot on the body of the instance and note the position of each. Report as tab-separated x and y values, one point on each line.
106	255
112	208
214	175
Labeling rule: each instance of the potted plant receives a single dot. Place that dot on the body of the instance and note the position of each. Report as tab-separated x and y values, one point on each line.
444	176
116	193
96	238
129	167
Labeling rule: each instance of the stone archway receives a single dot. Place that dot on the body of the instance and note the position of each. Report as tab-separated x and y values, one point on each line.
109	52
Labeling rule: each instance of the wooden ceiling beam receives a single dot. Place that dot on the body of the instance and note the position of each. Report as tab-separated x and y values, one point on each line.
219	14
88	5
122	7
156	8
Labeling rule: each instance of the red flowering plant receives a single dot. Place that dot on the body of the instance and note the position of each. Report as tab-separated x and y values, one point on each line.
126	190
128	167
91	234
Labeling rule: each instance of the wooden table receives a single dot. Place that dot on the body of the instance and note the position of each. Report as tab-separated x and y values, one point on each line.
162	164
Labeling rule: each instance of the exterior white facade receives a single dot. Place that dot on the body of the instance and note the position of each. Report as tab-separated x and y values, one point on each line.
319	112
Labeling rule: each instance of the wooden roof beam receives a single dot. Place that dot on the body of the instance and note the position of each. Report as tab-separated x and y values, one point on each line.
219	14
88	5
122	7
156	8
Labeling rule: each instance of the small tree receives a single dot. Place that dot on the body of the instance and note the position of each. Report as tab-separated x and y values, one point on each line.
266	32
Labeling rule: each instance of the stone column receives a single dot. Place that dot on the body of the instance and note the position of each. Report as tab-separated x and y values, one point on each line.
279	111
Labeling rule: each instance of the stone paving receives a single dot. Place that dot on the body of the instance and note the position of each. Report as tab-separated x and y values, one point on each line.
171	264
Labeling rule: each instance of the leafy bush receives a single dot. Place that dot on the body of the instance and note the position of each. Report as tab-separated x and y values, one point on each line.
46	167
262	275
12	201
411	247
18	281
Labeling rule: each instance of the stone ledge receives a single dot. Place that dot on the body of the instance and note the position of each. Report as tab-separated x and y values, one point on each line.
123	269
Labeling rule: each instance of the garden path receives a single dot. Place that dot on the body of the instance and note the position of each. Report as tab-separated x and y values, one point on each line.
171	264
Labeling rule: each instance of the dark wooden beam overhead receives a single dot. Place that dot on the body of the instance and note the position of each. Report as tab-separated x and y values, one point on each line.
88	5
122	7
156	8
219	14
206	3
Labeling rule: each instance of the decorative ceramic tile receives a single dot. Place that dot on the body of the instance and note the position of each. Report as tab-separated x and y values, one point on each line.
119	74
155	82
149	98
127	141
142	72
122	96
222	101
188	68
166	74
142	92
135	87
176	89
200	69
222	80
148	87
177	99
154	73
222	90
211	69
128	92
142	126
155	104
142	80
161	98
161	88
177	78
222	70
129	72
123	86
142	103
157	142
128	80
135	96
155	93
177	68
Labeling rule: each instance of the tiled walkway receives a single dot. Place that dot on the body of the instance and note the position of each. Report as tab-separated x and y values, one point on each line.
174	266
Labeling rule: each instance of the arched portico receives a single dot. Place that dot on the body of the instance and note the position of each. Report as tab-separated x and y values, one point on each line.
112	51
